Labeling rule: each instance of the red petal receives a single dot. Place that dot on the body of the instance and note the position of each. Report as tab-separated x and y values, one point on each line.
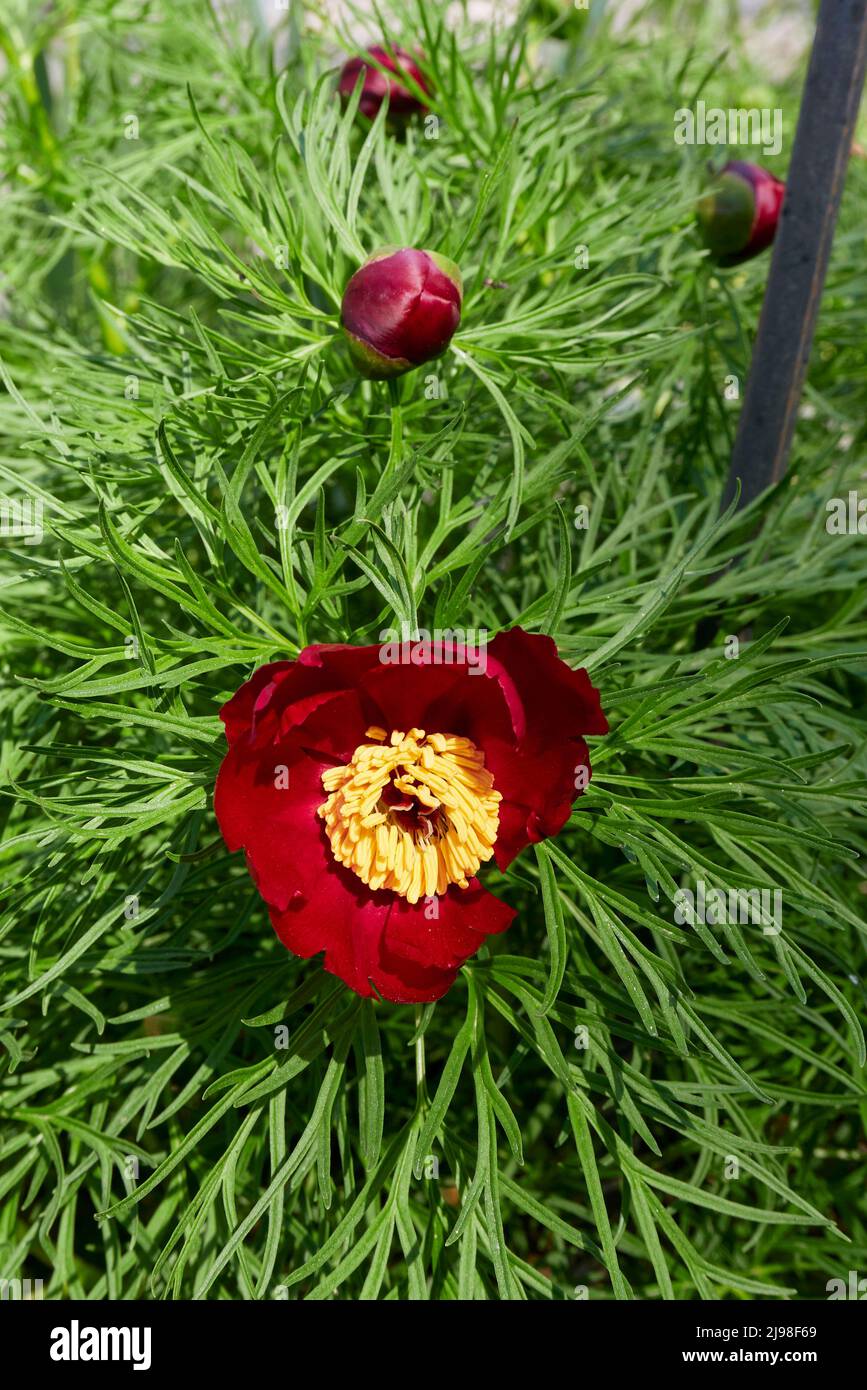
351	933
536	773
379	943
550	691
276	699
343	919
271	813
447	930
439	699
238	713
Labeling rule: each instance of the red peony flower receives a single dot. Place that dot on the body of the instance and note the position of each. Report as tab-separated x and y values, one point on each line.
367	791
400	309
401	101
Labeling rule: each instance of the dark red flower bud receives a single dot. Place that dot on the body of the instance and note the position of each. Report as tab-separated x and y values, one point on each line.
738	215
401	101
401	309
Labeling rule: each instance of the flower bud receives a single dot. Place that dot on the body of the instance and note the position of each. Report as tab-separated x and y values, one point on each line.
402	103
738	215
401	309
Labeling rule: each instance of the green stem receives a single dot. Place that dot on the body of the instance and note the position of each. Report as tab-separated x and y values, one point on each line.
395	451
20	59
420	1073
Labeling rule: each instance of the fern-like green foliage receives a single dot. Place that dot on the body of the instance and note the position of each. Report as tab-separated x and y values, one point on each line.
610	1102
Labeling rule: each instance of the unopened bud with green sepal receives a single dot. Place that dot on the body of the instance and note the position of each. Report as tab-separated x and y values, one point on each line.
739	213
400	309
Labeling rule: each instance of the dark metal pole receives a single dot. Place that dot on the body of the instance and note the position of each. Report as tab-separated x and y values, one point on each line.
829	108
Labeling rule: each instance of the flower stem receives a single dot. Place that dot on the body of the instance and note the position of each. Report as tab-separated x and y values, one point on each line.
421	1089
20	60
395	451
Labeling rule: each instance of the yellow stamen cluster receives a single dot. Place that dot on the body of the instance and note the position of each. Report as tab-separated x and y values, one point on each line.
412	812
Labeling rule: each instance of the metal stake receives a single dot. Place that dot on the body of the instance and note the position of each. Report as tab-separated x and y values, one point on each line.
823	139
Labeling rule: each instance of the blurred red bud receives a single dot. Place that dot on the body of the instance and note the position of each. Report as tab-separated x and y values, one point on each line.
401	101
738	215
401	309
